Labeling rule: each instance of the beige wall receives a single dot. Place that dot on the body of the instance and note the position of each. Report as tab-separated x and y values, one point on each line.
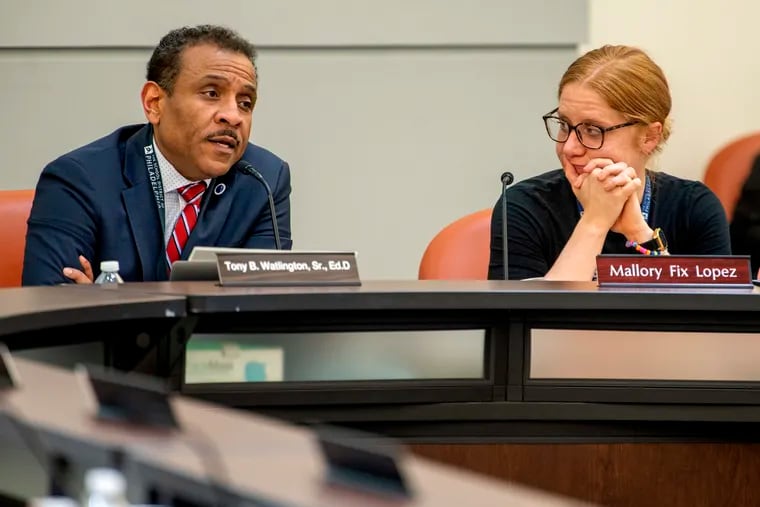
396	117
709	52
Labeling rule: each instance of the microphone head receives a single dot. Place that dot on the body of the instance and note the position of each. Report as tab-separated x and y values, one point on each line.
243	165
247	167
507	178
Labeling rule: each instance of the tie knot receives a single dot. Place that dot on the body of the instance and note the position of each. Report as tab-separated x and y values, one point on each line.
192	192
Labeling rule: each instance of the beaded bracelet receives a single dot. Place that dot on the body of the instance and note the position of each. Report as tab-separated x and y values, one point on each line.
641	249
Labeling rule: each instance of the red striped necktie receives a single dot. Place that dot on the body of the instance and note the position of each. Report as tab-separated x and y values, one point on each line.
192	194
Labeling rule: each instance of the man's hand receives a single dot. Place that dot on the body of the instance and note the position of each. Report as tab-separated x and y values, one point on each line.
83	276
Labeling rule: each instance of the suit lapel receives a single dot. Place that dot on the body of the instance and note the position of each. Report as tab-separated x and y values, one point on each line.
215	209
140	205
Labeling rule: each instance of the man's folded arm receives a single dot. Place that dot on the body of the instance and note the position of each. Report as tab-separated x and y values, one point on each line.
61	225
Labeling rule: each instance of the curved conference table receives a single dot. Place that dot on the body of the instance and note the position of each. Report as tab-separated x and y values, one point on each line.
218	456
616	396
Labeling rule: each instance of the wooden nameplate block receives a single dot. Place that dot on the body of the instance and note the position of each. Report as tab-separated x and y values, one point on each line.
674	270
287	267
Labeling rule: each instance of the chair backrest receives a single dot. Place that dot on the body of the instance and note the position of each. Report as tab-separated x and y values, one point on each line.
460	251
729	168
15	206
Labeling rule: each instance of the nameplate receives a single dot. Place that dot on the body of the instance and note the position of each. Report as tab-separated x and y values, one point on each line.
286	267
674	270
128	397
364	462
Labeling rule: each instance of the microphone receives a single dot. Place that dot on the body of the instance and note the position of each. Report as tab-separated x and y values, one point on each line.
247	168
506	179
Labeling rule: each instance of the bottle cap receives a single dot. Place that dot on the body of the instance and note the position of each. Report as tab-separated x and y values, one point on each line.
109	266
106	481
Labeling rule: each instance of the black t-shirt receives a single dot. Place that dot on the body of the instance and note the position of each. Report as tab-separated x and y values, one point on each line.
542	213
745	225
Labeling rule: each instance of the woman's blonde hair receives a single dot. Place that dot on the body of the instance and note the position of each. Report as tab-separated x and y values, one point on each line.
628	80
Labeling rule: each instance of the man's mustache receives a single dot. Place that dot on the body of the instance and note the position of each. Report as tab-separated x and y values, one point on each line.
224	133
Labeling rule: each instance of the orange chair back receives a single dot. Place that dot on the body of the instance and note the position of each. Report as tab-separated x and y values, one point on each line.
729	168
15	206
460	251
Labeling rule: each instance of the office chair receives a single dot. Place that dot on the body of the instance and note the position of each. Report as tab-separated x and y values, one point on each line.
729	168
460	251
15	206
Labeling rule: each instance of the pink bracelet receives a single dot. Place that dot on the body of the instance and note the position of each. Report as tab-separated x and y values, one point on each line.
641	249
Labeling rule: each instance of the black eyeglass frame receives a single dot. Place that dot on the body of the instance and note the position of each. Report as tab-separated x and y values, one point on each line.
572	128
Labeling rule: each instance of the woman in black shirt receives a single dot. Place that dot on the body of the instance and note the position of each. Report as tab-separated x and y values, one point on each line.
612	117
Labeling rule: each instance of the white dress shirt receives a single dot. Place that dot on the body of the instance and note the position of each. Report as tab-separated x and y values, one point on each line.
172	181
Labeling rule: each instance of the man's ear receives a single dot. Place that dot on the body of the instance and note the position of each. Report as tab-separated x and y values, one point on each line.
652	137
152	96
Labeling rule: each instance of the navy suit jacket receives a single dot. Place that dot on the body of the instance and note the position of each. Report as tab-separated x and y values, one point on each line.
98	201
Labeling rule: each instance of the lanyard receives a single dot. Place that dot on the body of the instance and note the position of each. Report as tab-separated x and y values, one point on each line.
156	183
645	203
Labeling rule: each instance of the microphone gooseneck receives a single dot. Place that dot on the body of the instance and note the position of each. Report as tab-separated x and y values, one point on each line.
506	179
247	168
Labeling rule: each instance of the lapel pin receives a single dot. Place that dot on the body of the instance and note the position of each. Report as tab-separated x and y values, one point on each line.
219	189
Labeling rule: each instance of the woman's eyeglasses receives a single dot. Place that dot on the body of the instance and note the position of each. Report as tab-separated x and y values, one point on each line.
589	135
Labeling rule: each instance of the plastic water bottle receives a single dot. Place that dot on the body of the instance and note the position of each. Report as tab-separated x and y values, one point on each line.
104	487
109	273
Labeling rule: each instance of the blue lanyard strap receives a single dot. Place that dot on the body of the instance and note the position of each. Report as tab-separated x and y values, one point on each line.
646	203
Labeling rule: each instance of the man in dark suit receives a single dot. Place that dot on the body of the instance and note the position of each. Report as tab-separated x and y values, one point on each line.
187	177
